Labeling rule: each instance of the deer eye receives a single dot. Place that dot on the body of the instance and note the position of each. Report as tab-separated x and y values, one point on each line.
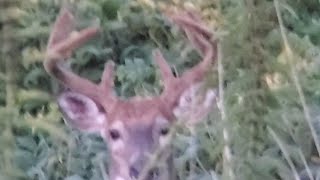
164	131
114	134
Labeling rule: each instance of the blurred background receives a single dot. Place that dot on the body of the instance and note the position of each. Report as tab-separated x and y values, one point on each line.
269	119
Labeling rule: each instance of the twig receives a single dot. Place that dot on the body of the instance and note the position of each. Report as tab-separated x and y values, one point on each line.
289	55
306	165
227	156
285	153
299	151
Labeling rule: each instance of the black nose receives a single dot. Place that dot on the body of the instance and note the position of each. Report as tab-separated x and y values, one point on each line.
154	173
133	172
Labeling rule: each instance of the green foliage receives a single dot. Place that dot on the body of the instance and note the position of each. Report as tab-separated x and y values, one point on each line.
260	93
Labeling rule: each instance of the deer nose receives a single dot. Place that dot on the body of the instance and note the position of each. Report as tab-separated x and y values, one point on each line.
134	172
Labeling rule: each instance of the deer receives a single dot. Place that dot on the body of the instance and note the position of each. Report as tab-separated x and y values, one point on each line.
132	128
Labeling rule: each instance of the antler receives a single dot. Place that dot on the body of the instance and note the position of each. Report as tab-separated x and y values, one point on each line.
63	40
200	38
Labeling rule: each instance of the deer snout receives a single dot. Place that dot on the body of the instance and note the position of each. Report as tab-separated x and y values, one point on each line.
136	169
134	172
151	175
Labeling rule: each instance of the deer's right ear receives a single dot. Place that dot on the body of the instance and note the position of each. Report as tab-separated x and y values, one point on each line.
81	112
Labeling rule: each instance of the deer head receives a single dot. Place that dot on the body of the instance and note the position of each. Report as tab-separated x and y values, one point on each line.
134	128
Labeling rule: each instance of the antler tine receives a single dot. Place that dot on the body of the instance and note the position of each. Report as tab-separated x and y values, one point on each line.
200	38
61	43
107	84
195	41
190	19
58	34
164	67
197	72
107	76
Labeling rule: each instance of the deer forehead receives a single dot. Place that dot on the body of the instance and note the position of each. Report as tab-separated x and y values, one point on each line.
137	112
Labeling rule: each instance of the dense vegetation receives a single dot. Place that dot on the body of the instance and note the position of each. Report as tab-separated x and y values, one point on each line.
270	61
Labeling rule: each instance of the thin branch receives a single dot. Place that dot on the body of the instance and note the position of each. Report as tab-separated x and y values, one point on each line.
300	152
227	156
294	74
306	165
285	153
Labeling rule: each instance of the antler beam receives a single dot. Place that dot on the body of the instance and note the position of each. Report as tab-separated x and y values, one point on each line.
63	40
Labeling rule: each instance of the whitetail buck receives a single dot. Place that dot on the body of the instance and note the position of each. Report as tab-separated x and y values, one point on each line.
134	128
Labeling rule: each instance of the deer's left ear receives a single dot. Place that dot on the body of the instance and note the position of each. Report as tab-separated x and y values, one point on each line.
81	112
195	103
